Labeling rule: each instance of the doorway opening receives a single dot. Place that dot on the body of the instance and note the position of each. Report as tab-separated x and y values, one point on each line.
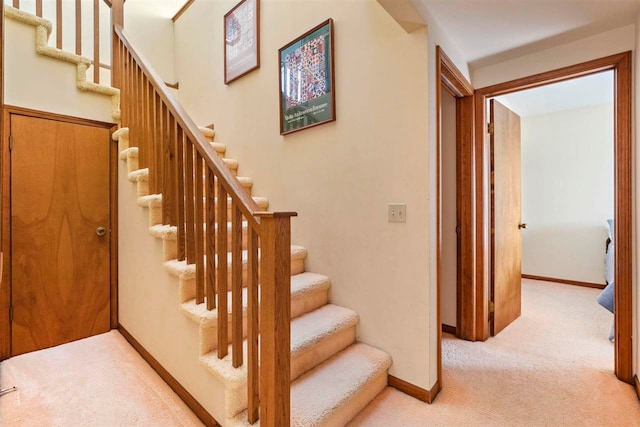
473	204
552	209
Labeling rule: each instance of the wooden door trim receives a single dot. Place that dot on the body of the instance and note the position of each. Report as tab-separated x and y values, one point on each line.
5	288
620	64
5	222
449	77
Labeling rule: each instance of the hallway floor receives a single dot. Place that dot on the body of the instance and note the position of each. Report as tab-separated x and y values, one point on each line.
551	367
99	381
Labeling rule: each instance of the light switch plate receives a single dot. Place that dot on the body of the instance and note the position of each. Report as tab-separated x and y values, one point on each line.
397	212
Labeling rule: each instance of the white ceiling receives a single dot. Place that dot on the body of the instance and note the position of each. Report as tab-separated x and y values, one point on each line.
585	91
165	8
490	31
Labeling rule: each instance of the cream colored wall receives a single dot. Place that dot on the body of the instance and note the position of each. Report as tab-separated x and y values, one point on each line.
45	84
567	192
449	237
339	176
150	30
148	303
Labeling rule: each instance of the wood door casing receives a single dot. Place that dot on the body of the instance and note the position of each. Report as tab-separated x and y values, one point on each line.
60	267
506	197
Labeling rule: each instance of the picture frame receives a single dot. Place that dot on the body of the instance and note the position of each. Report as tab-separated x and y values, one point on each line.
307	85
241	40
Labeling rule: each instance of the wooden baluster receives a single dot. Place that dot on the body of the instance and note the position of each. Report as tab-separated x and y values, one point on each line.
142	149
159	143
16	4
134	105
181	195
190	208
128	95
275	319
253	328
172	171
39	8
211	240
122	73
236	284
58	23
199	223
78	24
223	339
151	132
117	20
166	166
144	128
133	72
96	41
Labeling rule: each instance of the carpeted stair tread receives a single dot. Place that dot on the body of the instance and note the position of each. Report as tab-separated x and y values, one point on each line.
171	232
231	163
122	132
165	232
181	269
143	175
302	285
328	394
150	200
307	331
207	132
245	181
334	392
139	175
262	202
312	327
129	152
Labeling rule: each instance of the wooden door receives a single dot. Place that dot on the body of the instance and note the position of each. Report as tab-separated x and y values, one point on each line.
60	266
506	240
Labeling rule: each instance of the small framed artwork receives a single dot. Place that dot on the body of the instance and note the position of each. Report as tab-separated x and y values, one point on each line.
241	40
307	96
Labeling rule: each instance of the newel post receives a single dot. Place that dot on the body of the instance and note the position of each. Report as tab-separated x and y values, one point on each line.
275	319
117	20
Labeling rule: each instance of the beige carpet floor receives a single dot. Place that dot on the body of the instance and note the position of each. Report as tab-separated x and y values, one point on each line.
552	367
99	381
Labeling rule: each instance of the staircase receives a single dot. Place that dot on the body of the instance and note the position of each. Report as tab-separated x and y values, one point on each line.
332	377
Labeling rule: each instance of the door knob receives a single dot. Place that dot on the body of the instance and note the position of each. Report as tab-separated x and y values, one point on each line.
101	231
521	226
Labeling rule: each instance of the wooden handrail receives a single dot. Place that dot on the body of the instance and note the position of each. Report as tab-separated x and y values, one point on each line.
192	132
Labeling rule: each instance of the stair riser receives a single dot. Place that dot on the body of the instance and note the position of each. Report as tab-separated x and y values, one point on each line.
300	304
155	212
132	163
143	188
322	351
171	245
365	394
297	267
